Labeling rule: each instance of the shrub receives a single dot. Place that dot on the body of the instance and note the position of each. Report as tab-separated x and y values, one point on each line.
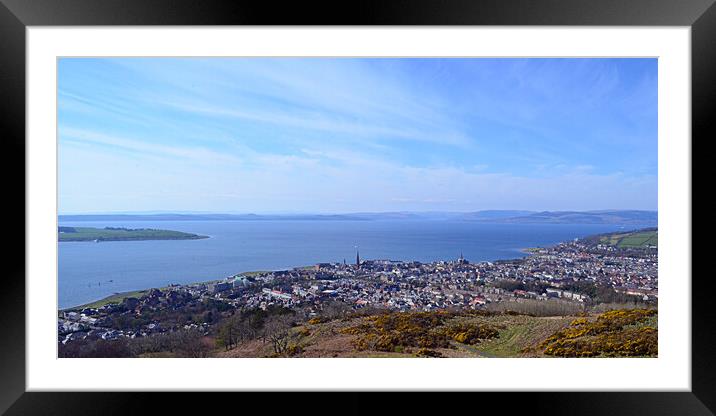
470	333
533	307
293	350
427	353
394	331
611	334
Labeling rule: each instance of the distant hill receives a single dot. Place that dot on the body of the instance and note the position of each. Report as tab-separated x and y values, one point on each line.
493	215
636	218
361	216
205	217
626	218
121	234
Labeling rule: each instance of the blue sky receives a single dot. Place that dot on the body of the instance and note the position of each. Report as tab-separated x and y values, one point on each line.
275	135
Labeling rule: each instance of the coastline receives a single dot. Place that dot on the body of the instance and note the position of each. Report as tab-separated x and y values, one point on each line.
118	297
110	239
528	250
94	234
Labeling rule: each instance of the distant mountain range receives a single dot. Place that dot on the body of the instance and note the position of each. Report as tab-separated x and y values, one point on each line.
615	217
587	217
493	215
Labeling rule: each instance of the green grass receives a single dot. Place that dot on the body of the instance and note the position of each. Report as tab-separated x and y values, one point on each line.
612	239
637	239
507	344
652	321
115	298
106	234
253	274
519	333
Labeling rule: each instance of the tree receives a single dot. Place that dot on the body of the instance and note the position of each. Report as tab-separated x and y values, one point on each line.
277	330
192	344
233	331
96	349
335	310
208	317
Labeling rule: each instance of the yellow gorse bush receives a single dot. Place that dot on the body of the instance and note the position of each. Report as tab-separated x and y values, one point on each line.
394	331
317	320
609	335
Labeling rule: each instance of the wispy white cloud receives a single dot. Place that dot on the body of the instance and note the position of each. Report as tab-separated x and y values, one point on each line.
321	123
356	134
197	154
295	184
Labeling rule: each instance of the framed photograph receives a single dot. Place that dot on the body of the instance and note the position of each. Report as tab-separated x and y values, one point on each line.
456	197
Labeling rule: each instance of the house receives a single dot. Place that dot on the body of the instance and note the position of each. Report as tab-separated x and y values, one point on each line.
72	316
553	293
131	303
219	287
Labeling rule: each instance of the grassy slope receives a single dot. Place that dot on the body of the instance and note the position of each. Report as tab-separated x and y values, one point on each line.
632	240
91	234
641	239
521	332
519	337
326	340
116	298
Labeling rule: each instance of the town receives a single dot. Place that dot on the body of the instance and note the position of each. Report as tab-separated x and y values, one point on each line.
573	274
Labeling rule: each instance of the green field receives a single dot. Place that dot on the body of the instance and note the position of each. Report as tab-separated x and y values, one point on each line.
121	234
637	239
116	298
642	239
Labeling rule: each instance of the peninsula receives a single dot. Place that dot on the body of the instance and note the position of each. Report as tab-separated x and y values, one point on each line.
121	234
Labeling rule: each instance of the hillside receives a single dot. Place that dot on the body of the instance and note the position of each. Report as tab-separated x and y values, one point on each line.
466	334
634	218
644	238
614	217
490	215
639	239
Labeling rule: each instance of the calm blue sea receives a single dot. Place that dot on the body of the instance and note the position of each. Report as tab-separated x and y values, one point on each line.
86	268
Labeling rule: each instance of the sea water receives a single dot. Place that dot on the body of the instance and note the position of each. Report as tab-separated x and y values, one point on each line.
89	271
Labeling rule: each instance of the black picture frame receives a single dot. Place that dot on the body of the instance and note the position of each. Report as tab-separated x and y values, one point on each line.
16	15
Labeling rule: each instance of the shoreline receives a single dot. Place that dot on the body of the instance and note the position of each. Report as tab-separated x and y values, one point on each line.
94	234
118	297
528	250
201	237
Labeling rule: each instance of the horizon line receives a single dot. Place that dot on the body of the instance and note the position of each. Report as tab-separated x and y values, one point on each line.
191	212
